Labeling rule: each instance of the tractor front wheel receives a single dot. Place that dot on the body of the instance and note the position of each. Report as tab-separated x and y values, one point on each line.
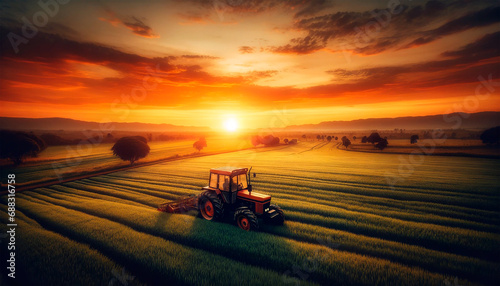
210	206
246	219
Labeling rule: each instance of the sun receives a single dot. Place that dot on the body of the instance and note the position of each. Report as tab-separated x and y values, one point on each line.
231	124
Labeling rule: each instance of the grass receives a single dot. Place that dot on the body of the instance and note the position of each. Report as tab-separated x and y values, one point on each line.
344	224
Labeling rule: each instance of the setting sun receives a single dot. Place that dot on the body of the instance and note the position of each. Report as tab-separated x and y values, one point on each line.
231	124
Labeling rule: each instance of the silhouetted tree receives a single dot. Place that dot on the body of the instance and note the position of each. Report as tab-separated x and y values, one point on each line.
374	138
491	136
414	139
364	139
131	148
16	145
382	144
293	141
304	136
346	142
285	140
270	140
256	140
318	137
354	138
200	144
329	138
336	138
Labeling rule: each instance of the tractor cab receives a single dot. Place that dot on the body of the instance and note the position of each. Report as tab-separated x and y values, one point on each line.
233	184
228	181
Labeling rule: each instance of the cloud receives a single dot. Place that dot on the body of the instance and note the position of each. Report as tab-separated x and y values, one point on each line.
300	8
379	30
133	23
138	27
199	57
458	67
54	69
477	19
246	50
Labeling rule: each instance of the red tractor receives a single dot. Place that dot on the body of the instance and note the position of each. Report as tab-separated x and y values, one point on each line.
229	192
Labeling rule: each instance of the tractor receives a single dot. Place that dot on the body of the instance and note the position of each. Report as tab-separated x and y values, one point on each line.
229	194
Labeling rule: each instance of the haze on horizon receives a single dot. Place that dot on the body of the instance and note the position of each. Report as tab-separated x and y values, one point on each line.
258	62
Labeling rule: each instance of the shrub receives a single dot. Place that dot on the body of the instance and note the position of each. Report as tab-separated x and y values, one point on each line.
16	146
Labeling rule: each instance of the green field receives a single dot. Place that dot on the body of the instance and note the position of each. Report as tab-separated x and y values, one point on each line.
434	222
58	162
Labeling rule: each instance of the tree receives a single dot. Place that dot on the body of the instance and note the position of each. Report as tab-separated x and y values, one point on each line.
270	140
16	146
354	137
304	136
200	144
329	138
256	140
382	144
318	137
374	138
336	138
285	140
346	142
364	139
131	148
491	136
414	139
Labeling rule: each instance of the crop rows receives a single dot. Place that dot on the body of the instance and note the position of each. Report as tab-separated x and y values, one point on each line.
344	224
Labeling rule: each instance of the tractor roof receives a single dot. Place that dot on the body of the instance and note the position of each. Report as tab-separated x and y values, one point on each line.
229	171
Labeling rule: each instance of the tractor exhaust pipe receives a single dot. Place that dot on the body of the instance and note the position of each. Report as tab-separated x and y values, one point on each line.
249	188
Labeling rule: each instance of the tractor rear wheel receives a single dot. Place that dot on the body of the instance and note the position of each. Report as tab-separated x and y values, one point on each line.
210	206
275	215
246	219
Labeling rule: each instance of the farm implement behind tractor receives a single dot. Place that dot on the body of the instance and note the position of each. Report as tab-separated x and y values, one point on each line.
229	193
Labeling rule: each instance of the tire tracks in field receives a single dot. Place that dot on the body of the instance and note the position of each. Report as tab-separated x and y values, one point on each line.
183	241
188	242
115	254
376	191
382	204
436	257
315	147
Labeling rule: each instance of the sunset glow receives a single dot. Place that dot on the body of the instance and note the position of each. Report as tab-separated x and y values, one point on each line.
181	62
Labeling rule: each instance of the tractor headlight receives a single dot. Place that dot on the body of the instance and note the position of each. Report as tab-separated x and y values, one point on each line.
266	210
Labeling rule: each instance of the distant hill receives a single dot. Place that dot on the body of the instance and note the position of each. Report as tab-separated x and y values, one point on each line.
480	120
66	124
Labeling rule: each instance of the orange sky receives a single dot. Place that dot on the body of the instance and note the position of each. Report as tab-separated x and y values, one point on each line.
265	63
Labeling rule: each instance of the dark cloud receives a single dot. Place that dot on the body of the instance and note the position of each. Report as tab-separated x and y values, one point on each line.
246	50
46	47
199	57
133	23
375	31
462	65
47	61
300	8
486	47
477	19
138	27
